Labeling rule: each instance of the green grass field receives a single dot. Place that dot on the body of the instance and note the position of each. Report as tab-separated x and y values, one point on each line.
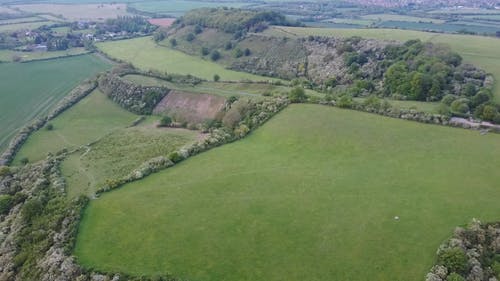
30	89
8	55
145	54
394	17
478	50
179	7
311	195
250	90
119	153
23	26
87	121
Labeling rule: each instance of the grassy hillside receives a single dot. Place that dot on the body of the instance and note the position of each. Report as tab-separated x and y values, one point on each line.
145	54
480	51
312	195
31	89
87	121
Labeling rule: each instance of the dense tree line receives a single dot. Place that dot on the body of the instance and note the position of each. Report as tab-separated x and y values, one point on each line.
129	24
233	20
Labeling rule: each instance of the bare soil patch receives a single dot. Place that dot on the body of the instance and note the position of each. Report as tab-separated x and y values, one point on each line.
189	107
163	22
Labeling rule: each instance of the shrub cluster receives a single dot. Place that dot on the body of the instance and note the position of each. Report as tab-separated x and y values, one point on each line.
135	98
473	253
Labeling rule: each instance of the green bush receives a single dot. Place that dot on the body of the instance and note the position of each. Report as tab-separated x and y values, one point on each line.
228	46
460	106
173	42
205	51
496	269
345	101
165	121
454	259
24	160
4	171
238	53
215	55
175	157
448	99
49	127
455	277
190	37
216	77
247	52
297	95
198	29
5	204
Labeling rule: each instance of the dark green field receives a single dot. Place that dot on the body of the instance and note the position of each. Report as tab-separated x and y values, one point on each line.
311	195
30	89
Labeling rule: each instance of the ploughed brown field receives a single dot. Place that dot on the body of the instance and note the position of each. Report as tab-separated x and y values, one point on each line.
163	22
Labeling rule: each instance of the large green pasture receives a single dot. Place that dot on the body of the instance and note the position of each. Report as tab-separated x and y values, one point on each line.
312	195
31	89
179	7
86	122
478	50
145	54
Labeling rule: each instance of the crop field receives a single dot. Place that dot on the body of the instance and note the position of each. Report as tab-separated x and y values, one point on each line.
76	12
23	26
394	17
145	54
31	89
20	20
89	120
119	153
311	195
9	55
178	7
478	50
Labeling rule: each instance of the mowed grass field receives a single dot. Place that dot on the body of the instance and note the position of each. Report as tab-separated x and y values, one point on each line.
478	50
31	89
145	54
87	121
311	195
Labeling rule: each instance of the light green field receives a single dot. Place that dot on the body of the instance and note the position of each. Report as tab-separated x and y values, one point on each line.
179	7
421	106
478	50
311	195
119	153
20	20
23	26
8	55
393	17
351	21
145	54
251	90
89	120
29	90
